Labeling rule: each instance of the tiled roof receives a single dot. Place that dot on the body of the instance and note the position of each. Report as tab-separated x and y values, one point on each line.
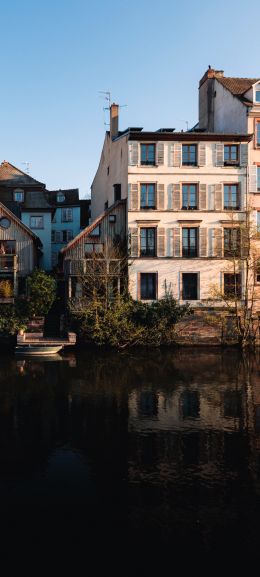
237	86
71	197
14	176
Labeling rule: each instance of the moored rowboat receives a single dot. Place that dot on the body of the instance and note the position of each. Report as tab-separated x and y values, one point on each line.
32	349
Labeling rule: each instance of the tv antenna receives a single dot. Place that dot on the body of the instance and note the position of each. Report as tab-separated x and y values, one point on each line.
186	122
107	96
27	164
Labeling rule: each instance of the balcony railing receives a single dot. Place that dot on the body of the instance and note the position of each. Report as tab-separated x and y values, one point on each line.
92	266
8	262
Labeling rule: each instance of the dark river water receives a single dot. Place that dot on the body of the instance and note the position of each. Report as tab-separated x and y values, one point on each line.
129	464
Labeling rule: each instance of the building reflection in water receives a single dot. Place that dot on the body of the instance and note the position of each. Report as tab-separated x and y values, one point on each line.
151	448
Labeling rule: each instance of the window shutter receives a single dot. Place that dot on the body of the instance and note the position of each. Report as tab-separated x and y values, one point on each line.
177	154
203	241
253	178
170	196
133	242
217	246
160	242
176	197
202	196
160	153
133	153
133	197
219	154
171	154
239	196
202	154
243	154
160	197
176	241
218	197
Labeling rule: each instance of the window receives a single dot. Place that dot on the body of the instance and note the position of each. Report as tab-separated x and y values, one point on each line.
258	178
5	222
91	247
18	195
257	93
7	247
231	154
147	196
112	218
231	197
95	231
190	404
117	192
147	242
231	242
257	272
189	196
106	205
148	286
66	215
258	221
258	133
189	286
60	197
232	285
67	235
189	242
189	154
148	154
36	221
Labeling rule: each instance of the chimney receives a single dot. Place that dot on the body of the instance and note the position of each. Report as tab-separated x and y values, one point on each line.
114	117
207	94
211	73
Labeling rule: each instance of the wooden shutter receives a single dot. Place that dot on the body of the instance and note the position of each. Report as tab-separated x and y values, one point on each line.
171	154
176	197
219	154
253	178
243	154
133	197
202	154
160	197
133	242
239	196
202	196
217	246
133	153
160	153
203	241
218	197
177	241
177	154
170	196
161	242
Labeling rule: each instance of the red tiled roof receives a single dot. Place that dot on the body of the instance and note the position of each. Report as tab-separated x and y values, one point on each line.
237	86
13	175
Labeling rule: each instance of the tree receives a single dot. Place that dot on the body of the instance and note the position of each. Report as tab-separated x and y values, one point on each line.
239	294
41	293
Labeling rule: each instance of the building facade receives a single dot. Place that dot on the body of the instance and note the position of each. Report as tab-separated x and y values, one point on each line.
185	204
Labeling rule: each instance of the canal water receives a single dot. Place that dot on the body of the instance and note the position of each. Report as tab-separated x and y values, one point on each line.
129	464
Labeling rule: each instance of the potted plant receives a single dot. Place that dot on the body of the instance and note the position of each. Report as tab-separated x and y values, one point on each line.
22	329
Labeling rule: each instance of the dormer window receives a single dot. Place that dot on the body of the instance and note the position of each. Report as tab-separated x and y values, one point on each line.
18	195
257	93
60	197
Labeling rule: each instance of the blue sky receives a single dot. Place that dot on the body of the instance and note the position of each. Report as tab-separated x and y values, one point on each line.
56	55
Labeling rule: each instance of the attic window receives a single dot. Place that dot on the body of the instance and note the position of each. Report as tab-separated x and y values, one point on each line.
19	195
257	93
95	231
60	197
5	222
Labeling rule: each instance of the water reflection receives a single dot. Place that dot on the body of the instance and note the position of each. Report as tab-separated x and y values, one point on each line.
144	450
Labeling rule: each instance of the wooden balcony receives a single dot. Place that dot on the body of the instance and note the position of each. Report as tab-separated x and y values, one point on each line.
8	263
99	266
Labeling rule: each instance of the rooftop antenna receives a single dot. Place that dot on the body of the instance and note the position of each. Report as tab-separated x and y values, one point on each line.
186	122
27	166
107	96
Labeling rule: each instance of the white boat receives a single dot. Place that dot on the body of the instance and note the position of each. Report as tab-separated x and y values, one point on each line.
32	349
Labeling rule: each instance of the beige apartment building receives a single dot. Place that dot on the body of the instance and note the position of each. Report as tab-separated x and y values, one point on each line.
185	198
